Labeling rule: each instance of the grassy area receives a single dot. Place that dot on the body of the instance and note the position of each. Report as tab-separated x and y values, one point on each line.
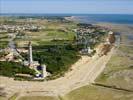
2	98
3	44
61	35
53	30
45	36
88	93
97	93
38	40
120	61
13	97
3	39
126	49
54	42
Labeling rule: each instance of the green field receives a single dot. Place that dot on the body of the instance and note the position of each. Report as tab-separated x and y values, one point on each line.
98	93
88	93
54	30
3	39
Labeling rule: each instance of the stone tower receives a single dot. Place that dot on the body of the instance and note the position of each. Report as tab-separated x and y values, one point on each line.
44	72
30	59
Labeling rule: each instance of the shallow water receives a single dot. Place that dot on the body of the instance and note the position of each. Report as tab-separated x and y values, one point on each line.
111	18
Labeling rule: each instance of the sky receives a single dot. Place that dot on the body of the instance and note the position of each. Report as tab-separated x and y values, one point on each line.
67	6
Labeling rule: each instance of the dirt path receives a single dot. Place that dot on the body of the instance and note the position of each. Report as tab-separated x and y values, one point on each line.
83	73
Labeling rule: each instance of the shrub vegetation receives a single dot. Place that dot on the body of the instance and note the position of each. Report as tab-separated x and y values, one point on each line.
58	58
10	69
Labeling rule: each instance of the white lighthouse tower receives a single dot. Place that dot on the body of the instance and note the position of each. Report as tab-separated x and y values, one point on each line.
30	59
44	71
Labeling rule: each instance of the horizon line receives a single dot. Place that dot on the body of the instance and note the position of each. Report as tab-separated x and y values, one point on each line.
69	13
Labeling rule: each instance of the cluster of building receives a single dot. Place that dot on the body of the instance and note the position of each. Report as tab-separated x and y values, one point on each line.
88	35
19	28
